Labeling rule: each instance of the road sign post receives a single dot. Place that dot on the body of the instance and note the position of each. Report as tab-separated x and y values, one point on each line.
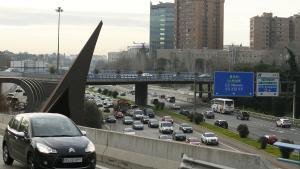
234	84
267	84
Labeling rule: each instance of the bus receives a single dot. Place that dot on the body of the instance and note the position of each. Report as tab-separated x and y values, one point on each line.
224	106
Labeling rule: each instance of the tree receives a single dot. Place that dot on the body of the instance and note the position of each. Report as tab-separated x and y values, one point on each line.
243	130
161	64
96	71
92	116
115	94
52	69
263	142
105	92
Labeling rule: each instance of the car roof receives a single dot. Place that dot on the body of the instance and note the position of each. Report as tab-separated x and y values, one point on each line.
208	133
40	114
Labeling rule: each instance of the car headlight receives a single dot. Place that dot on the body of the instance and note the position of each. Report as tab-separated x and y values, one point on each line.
45	149
90	148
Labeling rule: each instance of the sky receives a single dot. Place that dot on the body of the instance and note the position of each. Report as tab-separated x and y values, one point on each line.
31	25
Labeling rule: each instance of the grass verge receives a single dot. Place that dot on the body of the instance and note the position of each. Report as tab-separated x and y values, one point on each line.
225	132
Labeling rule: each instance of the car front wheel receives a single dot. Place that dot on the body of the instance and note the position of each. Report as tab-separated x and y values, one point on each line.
6	157
30	162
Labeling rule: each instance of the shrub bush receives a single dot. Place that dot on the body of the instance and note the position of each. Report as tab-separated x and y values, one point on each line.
243	130
115	94
105	92
92	116
285	152
191	116
109	93
99	90
263	142
198	117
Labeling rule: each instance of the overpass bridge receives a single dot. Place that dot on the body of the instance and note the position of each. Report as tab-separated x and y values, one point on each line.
141	81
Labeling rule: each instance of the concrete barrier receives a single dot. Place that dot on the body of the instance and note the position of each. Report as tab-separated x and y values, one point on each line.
135	152
129	151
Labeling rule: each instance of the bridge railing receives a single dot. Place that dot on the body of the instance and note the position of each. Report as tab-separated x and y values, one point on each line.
125	77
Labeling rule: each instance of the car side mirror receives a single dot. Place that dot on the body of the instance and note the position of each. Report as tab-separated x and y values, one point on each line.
83	132
20	134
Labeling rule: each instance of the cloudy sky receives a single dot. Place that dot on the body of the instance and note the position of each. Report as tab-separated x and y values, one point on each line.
31	25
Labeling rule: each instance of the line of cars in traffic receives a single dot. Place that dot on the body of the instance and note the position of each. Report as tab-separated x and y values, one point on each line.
137	118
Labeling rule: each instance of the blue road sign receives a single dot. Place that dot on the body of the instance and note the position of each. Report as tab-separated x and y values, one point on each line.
234	84
267	84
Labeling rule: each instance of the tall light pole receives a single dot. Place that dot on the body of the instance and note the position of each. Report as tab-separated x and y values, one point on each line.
59	10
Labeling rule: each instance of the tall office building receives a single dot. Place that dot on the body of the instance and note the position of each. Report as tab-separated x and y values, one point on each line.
268	32
161	27
199	24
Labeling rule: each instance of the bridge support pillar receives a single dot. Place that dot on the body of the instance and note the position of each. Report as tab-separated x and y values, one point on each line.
141	94
200	90
209	85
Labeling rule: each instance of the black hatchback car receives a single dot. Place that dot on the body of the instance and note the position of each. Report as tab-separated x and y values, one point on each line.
47	141
222	123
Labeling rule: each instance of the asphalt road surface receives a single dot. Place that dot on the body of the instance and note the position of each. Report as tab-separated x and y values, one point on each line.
257	127
154	133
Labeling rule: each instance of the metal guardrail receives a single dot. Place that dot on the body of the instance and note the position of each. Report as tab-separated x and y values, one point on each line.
295	122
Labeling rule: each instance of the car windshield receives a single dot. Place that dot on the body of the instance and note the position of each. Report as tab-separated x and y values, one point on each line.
286	121
229	103
128	118
149	111
53	126
166	124
209	135
140	112
153	121
245	113
137	122
185	125
168	117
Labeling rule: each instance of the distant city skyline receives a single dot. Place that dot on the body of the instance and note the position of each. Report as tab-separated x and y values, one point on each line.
31	26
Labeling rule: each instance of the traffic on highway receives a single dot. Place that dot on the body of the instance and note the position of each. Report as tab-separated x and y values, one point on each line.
280	129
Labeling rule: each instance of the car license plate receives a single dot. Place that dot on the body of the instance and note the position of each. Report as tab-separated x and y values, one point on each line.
72	160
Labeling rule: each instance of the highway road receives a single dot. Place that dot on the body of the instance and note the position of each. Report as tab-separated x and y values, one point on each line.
257	127
154	133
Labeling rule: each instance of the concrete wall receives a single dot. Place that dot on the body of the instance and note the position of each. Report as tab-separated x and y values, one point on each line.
135	152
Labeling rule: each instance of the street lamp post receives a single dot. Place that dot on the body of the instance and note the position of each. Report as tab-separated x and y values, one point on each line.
194	114
59	10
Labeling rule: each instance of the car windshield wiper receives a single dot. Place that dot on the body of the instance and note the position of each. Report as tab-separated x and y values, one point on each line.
42	136
64	135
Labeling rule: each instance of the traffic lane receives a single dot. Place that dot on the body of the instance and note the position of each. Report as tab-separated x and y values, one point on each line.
154	132
258	127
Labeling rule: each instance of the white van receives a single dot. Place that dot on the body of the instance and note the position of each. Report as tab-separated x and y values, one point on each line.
165	127
223	106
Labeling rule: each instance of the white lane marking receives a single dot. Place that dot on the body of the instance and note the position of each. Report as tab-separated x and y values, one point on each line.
101	167
230	147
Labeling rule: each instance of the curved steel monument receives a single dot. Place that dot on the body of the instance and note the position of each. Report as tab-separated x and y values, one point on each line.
68	96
